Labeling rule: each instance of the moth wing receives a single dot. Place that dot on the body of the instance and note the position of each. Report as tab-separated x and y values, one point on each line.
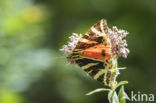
98	29
96	34
95	68
98	52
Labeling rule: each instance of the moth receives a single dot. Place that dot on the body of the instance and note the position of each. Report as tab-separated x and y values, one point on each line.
93	53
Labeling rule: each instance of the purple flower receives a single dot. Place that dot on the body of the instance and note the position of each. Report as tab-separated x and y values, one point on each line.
118	43
73	40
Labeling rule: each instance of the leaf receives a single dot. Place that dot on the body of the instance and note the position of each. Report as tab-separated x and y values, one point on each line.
110	94
122	95
121	83
122	68
112	97
115	98
98	90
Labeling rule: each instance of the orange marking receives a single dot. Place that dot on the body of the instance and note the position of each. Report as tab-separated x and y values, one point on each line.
96	52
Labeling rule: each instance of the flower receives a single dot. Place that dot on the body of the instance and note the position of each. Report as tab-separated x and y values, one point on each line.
118	44
73	40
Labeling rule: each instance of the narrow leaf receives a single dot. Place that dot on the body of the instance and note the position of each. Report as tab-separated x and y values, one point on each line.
122	68
126	96
121	83
122	95
113	97
110	95
98	90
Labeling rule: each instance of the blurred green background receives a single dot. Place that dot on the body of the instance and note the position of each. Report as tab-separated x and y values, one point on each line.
33	70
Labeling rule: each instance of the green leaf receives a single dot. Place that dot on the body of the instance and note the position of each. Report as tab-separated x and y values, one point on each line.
122	95
121	83
113	97
110	94
98	90
122	68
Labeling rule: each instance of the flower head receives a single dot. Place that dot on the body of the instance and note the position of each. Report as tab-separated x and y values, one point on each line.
118	43
73	40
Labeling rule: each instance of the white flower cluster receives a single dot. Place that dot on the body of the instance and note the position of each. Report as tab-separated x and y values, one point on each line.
118	44
73	40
